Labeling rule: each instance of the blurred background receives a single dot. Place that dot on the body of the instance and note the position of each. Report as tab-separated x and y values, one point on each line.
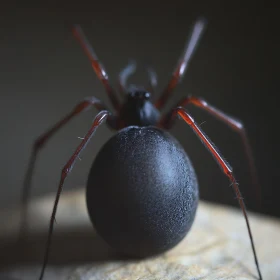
44	73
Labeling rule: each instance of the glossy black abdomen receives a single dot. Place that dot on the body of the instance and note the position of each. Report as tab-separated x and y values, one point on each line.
142	192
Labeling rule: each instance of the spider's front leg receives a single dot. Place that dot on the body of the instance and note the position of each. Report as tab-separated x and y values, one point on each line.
124	74
237	126
96	65
99	119
225	167
38	145
182	64
128	70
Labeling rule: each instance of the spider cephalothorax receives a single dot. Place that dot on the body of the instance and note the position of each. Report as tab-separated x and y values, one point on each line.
138	109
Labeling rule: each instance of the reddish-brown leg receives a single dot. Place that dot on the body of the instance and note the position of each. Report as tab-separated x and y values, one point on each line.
97	66
183	63
226	168
39	143
124	74
235	124
99	119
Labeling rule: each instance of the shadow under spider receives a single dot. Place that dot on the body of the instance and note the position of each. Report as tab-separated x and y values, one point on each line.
68	248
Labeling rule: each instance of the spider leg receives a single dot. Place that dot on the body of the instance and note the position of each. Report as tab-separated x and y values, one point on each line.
38	144
152	79
233	123
99	119
183	62
96	64
225	167
124	74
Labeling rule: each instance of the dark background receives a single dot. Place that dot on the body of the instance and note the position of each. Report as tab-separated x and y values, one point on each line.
44	73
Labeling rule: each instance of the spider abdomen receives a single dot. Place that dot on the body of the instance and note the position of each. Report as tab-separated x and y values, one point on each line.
142	192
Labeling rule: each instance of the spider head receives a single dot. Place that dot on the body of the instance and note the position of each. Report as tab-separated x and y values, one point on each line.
139	95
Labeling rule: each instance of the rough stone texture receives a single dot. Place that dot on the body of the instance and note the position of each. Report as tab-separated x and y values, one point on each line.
217	247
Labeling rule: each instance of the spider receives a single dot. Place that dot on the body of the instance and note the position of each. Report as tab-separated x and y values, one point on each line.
142	190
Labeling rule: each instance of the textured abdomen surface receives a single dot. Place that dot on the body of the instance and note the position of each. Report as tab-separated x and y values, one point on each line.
142	192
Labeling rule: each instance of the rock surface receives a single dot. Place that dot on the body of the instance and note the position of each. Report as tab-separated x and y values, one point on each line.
217	247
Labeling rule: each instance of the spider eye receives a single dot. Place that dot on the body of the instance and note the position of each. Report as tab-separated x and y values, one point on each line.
138	94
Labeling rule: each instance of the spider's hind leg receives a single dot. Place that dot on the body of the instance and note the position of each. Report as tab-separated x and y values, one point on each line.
225	167
99	119
38	145
236	125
